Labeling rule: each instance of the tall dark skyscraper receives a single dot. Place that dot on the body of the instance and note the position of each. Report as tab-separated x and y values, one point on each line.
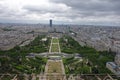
50	22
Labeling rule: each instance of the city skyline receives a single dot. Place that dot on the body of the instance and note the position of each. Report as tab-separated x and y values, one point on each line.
92	12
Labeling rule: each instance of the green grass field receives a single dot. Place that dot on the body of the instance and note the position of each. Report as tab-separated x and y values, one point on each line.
55	48
55	40
54	67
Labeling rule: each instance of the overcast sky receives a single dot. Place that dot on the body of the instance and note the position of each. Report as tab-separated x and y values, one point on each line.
104	12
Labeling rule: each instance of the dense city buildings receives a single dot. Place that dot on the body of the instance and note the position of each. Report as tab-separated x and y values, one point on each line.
98	37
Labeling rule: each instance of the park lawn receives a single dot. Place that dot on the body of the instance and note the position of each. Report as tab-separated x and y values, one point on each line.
54	67
55	48
55	40
55	77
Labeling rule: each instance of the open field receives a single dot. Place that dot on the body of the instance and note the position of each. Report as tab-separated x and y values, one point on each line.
54	67
55	48
55	40
54	45
55	77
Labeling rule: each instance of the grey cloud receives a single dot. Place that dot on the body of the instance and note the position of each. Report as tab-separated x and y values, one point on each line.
37	9
91	7
82	8
51	8
69	10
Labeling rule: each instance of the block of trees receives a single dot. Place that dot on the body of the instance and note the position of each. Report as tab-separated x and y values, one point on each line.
96	60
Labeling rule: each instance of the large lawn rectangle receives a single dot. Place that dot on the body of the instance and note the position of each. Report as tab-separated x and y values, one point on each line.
55	48
55	40
54	67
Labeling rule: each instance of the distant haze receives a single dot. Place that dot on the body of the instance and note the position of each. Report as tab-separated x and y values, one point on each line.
92	12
